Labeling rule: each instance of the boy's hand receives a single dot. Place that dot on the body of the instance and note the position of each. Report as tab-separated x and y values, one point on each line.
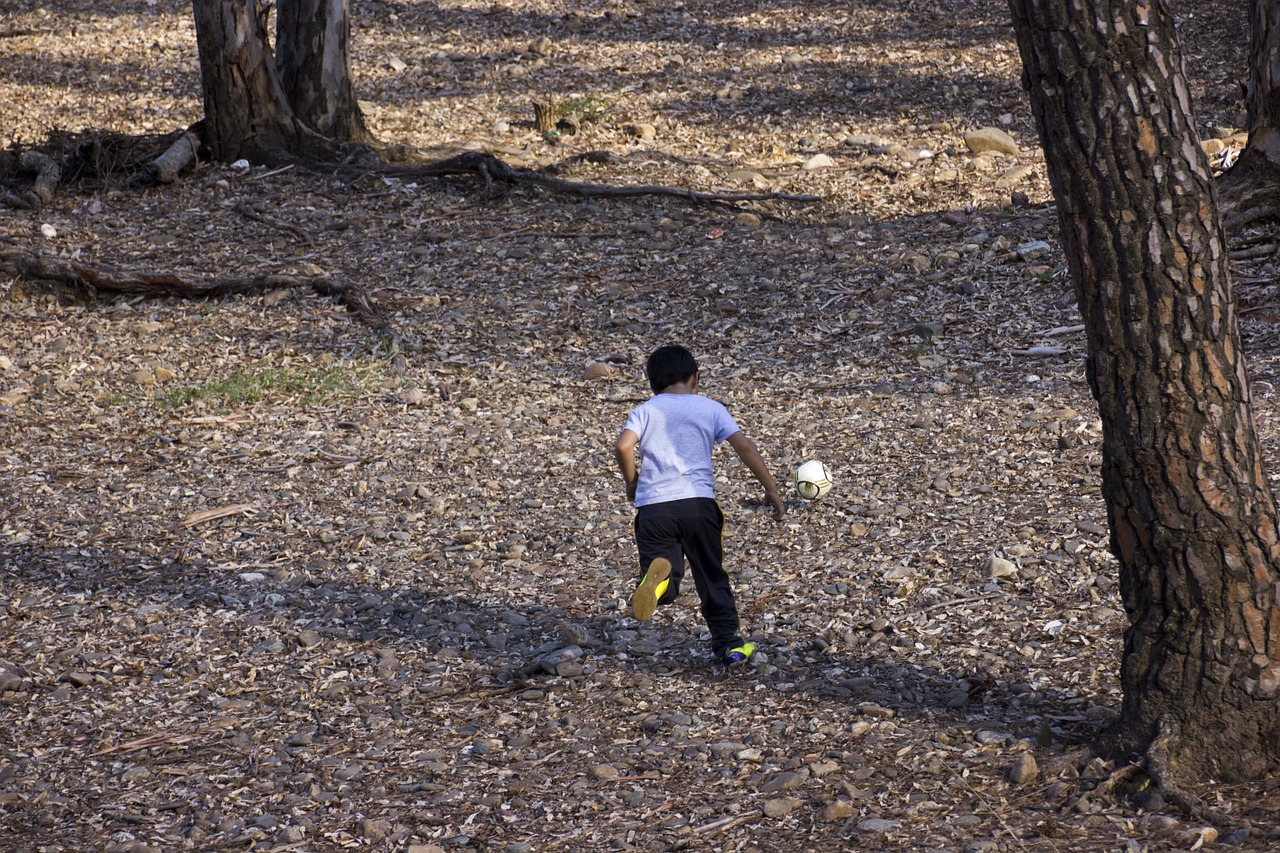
631	491
774	497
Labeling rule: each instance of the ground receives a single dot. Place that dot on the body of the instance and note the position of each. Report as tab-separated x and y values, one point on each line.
274	581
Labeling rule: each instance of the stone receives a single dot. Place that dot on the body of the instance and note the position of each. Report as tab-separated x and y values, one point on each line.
875	824
783	782
1033	250
835	810
990	139
1002	570
780	807
1024	769
599	370
644	132
818	161
550	663
604	772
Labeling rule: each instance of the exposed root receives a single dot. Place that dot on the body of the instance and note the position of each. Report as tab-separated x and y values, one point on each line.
95	280
1160	769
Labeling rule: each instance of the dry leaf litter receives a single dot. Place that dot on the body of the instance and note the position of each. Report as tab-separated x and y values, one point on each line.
268	585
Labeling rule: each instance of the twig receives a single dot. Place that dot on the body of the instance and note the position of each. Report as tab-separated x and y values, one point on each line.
211	514
725	823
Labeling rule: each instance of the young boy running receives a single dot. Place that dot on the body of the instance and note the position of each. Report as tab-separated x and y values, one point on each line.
673	488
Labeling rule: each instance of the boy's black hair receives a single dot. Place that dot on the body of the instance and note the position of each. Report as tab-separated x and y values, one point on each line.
668	366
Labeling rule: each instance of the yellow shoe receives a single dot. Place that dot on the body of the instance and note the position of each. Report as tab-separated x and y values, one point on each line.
655	583
738	654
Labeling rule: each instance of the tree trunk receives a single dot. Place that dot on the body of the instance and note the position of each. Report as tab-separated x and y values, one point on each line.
245	110
1193	520
313	60
1250	189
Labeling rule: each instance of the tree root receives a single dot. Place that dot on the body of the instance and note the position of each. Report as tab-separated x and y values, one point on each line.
493	171
1160	769
94	280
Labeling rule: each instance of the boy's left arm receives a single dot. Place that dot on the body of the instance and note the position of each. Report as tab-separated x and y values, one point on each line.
747	452
625	451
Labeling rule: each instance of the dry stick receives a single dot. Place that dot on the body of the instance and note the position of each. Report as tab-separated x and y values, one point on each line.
211	514
245	210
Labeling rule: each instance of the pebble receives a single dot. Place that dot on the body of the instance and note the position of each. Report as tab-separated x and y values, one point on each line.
818	161
835	810
1000	569
48	231
780	807
875	824
1024	769
783	782
1033	250
604	772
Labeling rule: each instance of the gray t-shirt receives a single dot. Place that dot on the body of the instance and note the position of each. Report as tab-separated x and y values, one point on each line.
677	433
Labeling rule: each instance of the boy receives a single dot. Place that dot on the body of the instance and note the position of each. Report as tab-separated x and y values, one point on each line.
677	516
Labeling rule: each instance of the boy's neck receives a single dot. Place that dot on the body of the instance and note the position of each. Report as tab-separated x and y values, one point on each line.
688	387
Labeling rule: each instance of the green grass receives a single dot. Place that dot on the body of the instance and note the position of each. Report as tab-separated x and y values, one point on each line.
588	108
303	386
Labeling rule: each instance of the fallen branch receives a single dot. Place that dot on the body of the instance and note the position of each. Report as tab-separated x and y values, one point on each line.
107	280
165	168
48	174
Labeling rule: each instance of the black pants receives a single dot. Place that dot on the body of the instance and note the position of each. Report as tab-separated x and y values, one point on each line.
692	529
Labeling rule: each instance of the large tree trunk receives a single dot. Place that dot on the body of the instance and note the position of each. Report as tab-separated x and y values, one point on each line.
313	59
247	114
1250	190
245	110
1193	520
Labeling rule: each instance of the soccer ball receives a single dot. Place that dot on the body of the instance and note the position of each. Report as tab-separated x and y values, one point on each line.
813	480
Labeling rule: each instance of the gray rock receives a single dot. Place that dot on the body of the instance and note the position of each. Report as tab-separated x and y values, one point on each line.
783	782
551	662
875	824
1033	250
780	807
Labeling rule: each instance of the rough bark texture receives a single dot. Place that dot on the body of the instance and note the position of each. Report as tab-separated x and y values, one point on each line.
246	113
1193	521
1250	190
1263	92
313	60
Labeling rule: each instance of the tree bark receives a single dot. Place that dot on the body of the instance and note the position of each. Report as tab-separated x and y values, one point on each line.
1193	520
1250	189
245	109
313	60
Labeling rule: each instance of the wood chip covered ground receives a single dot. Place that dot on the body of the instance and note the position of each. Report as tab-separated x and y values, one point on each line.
268	582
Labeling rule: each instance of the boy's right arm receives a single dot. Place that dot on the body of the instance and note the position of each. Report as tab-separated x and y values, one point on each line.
747	452
625	451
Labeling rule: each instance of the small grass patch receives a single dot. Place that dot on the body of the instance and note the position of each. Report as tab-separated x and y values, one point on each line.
308	386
